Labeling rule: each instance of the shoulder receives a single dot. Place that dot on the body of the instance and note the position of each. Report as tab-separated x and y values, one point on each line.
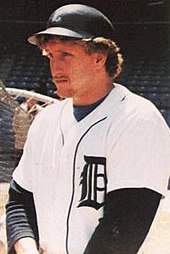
51	111
134	110
134	104
48	116
145	111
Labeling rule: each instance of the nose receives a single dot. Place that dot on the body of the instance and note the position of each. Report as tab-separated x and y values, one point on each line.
57	70
56	66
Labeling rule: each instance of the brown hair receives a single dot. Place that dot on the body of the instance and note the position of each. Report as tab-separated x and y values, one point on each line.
114	57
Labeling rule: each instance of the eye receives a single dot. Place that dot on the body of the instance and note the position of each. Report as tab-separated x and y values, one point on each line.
65	54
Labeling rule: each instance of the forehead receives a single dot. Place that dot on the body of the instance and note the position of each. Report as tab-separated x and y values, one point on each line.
63	45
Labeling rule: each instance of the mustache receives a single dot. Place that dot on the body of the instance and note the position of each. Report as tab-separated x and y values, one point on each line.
60	78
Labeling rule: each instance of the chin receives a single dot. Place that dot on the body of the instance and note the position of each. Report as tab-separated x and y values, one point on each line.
64	94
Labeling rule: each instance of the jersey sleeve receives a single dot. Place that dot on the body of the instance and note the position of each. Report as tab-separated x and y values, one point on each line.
39	132
140	155
23	172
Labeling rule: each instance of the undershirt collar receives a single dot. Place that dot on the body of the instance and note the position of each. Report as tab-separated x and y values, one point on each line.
82	111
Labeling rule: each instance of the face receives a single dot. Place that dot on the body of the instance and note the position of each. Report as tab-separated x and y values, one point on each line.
73	70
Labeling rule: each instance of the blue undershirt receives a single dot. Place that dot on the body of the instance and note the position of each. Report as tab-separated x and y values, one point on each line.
82	111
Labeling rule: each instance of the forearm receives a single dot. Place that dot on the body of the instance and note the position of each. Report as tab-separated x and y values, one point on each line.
20	217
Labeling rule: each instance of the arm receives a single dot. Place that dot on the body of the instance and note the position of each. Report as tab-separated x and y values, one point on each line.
128	215
22	230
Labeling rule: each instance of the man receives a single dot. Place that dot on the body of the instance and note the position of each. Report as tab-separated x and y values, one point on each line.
96	164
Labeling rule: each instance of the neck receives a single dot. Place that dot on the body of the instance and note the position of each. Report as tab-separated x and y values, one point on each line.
94	95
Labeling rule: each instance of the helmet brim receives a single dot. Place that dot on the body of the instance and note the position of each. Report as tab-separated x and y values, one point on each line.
59	31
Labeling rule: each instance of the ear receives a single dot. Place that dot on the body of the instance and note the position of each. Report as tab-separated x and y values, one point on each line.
100	59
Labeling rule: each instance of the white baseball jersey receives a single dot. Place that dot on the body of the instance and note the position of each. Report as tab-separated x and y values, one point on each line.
70	166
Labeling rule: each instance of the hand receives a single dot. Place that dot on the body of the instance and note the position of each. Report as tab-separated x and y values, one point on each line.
2	248
26	245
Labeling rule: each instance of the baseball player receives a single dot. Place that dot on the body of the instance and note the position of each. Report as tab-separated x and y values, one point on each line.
96	164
